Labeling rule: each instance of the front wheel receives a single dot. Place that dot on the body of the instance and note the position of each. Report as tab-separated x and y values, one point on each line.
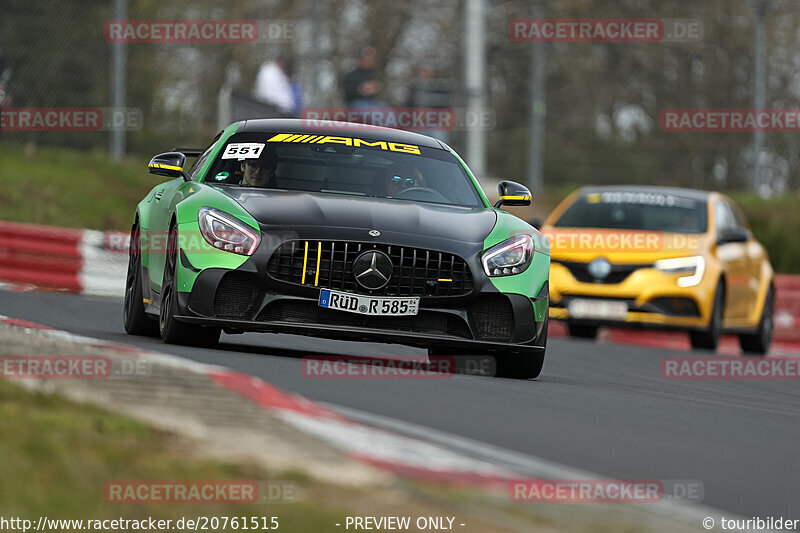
506	365
708	339
758	343
134	318
172	331
475	362
520	366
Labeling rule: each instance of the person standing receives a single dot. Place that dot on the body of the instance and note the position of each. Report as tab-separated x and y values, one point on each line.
274	87
361	86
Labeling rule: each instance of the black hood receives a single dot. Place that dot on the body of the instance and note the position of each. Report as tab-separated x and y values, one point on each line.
290	209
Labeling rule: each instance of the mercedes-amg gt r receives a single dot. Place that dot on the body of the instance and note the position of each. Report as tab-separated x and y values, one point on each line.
340	231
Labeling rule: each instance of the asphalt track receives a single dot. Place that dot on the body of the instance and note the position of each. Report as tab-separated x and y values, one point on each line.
602	408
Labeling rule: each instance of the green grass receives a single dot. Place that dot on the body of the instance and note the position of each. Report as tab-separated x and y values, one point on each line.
68	188
57	457
775	223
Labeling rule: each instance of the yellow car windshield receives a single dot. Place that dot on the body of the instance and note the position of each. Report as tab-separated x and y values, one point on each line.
634	211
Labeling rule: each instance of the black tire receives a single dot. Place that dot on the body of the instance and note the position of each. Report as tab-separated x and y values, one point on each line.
758	343
172	331
582	332
460	361
520	366
134	318
708	339
507	365
475	362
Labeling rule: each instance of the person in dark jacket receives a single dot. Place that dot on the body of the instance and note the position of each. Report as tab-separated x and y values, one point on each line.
361	86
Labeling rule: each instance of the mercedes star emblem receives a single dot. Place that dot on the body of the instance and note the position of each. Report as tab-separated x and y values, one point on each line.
372	269
374	233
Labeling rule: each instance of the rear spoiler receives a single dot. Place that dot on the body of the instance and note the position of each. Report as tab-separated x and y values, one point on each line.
189	152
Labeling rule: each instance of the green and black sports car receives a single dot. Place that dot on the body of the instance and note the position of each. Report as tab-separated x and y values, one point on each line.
339	231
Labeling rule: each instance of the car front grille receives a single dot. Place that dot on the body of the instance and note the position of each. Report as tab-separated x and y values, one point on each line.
618	274
306	312
329	264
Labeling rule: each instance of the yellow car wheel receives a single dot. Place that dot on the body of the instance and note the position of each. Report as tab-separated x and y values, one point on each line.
708	339
758	343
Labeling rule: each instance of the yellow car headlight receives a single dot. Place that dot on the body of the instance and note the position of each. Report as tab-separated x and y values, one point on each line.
694	266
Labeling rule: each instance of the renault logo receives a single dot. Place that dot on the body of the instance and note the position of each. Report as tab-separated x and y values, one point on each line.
372	269
599	268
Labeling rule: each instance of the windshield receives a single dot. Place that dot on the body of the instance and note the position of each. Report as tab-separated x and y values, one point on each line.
636	211
343	165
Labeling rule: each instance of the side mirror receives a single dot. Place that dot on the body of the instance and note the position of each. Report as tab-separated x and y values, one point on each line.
513	194
169	164
733	235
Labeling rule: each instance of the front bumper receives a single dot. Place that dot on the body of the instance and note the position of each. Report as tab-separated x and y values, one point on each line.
368	335
249	299
653	299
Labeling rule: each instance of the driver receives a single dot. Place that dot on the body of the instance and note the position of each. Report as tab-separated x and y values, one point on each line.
260	172
400	177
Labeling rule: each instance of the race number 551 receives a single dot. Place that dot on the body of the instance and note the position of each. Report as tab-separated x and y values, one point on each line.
243	151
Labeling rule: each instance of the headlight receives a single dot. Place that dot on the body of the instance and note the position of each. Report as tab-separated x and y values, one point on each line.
695	266
226	232
511	256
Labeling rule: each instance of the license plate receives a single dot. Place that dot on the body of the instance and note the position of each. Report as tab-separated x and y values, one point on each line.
368	305
606	309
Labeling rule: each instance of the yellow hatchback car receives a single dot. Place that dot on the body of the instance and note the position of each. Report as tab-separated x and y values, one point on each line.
659	257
